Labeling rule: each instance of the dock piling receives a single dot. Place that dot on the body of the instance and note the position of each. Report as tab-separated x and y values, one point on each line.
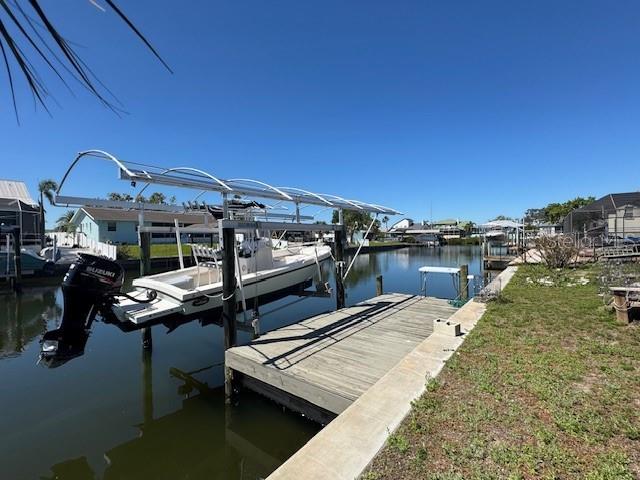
17	259
228	303
379	289
144	240
464	282
339	255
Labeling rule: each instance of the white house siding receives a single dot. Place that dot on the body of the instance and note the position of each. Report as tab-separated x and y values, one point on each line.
625	222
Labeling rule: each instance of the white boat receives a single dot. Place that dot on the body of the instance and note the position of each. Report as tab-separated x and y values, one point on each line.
260	271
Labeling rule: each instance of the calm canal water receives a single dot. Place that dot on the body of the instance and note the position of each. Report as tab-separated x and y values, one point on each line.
115	413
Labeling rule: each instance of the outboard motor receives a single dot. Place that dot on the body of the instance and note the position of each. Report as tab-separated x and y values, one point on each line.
59	346
88	286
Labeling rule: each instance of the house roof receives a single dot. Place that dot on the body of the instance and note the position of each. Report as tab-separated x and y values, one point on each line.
446	221
501	224
611	202
119	215
12	205
15	190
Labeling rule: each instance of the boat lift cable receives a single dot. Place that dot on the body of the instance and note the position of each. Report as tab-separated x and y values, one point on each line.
280	239
359	248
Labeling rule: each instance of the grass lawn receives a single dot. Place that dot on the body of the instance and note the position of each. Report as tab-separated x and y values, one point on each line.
546	386
375	243
158	250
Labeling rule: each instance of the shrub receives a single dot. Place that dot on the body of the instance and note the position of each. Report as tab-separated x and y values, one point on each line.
124	252
557	252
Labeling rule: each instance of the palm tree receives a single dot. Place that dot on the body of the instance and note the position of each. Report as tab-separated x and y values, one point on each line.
385	220
46	189
63	224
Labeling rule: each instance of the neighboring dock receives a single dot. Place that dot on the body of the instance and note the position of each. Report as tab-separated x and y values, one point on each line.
321	365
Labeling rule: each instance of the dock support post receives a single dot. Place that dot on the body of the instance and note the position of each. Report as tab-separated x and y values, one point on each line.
17	259
464	282
339	254
147	339
144	239
228	303
379	290
147	388
145	253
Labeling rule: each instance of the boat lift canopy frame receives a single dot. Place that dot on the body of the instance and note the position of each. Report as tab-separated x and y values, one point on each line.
192	178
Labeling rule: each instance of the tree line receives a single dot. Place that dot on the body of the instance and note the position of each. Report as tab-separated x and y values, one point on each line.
555	212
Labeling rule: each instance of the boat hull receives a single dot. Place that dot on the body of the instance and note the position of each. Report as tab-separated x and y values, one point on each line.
167	307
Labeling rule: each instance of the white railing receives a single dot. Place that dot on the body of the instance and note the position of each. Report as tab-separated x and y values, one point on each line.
64	239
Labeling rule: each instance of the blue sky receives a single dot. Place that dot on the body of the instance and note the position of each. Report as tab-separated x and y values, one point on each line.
468	109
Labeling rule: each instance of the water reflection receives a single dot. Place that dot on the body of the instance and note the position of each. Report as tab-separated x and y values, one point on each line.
24	318
199	440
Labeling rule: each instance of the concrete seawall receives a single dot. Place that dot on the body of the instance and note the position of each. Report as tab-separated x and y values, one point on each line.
345	447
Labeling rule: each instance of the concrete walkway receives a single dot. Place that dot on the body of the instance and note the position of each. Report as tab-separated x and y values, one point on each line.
344	448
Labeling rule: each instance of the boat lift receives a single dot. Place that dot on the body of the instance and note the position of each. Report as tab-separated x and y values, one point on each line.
197	179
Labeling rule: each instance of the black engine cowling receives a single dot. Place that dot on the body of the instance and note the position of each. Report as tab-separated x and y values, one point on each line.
87	288
88	285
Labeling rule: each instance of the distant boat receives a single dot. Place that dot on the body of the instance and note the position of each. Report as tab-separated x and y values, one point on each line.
31	263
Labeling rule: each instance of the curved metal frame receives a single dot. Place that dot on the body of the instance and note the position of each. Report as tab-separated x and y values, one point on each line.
194	178
307	192
189	169
342	200
95	153
258	182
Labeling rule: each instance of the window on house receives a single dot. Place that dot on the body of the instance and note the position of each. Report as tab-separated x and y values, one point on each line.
628	211
111	226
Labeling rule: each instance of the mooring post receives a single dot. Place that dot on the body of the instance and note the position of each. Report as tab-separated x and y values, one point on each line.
147	388
145	253
339	254
144	241
17	260
464	282
228	303
379	285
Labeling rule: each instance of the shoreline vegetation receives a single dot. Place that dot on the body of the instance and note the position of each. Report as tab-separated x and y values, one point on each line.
546	386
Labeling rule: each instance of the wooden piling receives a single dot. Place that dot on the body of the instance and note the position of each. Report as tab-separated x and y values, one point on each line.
145	253
228	304
147	339
17	256
464	282
147	388
339	255
144	241
379	289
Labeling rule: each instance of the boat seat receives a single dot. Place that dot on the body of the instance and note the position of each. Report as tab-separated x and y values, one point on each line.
204	257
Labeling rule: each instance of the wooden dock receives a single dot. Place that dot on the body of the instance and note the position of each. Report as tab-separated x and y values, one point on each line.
321	365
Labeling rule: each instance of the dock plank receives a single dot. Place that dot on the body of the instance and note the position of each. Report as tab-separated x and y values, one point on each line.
330	359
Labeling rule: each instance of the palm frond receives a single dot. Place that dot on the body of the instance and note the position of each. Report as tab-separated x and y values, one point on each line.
54	50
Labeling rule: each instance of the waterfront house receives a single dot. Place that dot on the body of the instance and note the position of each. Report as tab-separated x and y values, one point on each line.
614	216
452	228
17	208
401	225
120	227
548	229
